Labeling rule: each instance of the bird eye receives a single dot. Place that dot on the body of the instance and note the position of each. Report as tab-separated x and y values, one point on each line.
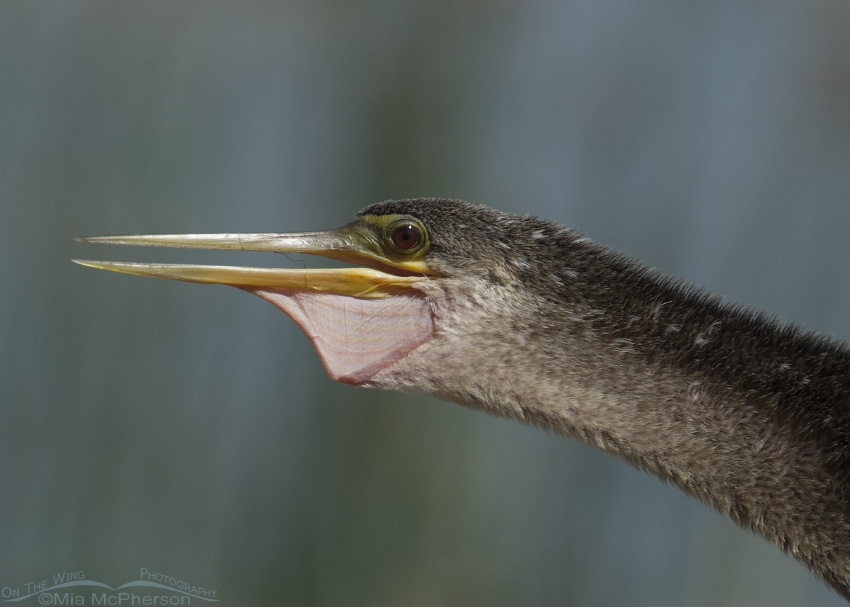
406	236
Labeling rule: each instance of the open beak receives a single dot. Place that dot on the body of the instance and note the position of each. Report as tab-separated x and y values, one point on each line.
360	319
346	244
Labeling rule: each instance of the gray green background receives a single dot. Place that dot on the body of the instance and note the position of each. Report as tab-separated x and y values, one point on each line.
191	429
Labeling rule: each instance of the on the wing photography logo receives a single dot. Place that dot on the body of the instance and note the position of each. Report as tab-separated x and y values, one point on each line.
73	588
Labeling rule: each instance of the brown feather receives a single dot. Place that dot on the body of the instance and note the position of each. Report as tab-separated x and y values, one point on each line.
535	322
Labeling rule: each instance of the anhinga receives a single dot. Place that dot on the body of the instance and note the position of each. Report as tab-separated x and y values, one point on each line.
525	318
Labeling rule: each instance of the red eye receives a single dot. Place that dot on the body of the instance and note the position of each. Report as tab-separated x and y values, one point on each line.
406	236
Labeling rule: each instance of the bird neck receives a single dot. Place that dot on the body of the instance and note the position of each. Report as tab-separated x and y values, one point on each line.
746	414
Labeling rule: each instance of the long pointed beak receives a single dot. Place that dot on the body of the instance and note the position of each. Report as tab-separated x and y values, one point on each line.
346	244
318	243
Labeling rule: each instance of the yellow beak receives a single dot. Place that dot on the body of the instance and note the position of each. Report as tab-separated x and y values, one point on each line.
346	244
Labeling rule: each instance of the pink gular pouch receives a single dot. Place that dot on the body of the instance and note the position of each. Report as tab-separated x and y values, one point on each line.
355	337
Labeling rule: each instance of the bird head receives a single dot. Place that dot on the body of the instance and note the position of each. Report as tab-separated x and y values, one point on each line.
415	262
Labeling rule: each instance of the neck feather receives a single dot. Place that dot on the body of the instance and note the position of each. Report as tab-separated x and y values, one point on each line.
745	413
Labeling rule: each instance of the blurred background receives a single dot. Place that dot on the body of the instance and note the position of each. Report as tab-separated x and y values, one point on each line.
191	430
